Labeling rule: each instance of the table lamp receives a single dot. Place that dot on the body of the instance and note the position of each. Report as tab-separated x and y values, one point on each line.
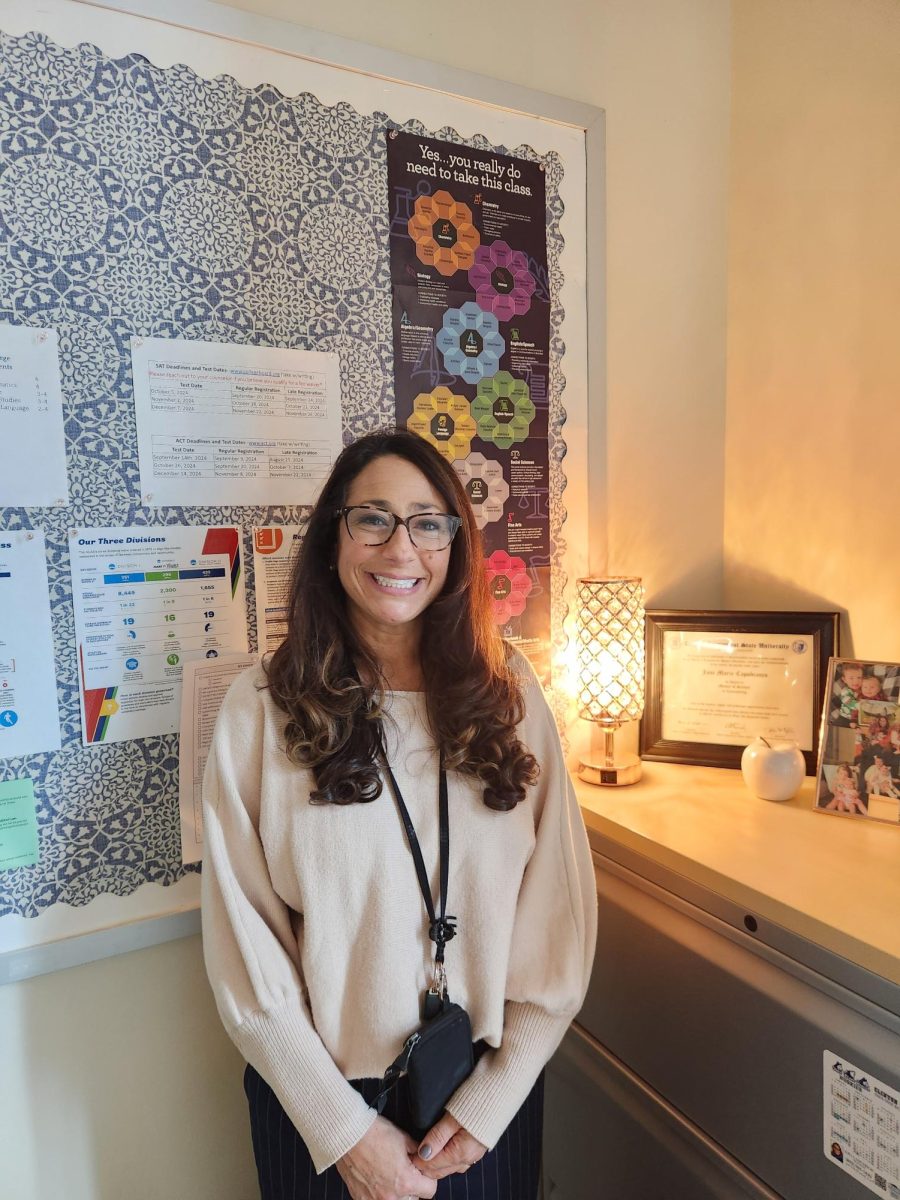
610	639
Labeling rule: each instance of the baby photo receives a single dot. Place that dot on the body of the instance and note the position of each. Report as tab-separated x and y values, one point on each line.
839	790
865	688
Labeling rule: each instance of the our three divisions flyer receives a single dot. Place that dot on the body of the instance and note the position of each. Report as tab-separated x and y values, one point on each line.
147	600
471	327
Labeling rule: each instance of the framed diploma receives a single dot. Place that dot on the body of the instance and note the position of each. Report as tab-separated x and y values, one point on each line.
717	680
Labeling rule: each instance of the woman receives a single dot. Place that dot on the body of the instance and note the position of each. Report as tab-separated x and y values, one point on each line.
316	938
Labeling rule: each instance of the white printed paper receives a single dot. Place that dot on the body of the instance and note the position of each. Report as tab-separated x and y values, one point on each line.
728	688
203	688
148	600
226	424
29	716
862	1126
274	550
32	441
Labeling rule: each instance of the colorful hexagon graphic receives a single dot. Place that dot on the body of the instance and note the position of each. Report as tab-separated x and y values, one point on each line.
503	410
502	281
445	420
470	342
509	584
487	490
442	230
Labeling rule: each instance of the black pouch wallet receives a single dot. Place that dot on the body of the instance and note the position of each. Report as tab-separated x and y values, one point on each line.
435	1060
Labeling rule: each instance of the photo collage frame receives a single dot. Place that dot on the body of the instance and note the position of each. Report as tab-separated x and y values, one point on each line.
859	760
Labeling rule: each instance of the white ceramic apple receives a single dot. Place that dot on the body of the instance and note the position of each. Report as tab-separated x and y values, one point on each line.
773	770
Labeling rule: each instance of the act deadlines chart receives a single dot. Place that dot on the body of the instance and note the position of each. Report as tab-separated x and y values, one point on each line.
224	424
147	600
471	324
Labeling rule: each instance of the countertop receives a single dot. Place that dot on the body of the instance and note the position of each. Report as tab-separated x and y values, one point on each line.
833	880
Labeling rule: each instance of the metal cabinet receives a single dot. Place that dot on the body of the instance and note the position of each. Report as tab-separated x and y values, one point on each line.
695	1068
608	1136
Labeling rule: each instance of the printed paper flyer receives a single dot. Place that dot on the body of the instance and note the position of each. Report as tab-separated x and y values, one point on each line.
220	423
147	600
205	683
19	843
31	415
861	1125
29	715
471	323
274	550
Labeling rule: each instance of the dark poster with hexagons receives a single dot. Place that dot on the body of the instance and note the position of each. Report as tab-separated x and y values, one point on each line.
471	326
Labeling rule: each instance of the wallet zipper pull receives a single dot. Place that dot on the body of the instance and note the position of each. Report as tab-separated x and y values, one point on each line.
409	1045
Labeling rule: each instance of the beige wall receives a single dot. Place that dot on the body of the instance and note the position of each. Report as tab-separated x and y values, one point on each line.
120	1083
813	424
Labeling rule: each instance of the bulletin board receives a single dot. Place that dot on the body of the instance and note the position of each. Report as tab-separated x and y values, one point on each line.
207	188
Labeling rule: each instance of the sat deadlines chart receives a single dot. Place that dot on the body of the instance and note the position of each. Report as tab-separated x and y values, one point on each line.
148	599
471	325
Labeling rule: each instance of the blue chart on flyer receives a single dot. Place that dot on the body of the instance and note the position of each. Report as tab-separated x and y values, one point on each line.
471	326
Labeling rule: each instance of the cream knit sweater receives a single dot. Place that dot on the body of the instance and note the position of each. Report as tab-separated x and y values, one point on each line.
314	929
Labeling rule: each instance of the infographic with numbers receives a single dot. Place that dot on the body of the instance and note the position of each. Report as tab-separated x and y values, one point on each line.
147	600
471	324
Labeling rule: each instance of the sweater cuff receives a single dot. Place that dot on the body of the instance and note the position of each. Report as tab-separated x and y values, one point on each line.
326	1111
495	1091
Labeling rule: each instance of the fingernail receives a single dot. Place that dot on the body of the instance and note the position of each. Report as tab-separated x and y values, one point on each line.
425	1151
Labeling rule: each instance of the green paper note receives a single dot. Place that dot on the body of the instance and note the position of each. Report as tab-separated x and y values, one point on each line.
18	824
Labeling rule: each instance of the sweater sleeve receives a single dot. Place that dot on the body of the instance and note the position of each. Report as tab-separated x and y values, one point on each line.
552	944
249	944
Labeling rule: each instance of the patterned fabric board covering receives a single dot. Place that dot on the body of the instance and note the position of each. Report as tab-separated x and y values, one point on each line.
136	200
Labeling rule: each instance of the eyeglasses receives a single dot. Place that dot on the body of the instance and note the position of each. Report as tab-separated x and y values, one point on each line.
374	526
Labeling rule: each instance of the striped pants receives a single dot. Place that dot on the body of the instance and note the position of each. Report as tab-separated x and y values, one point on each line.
511	1171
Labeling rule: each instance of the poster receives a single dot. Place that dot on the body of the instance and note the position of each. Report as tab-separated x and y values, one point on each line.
18	824
203	687
29	714
228	424
274	550
31	419
861	1125
471	326
147	600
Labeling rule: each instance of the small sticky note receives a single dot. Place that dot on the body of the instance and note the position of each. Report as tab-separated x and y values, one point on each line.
18	824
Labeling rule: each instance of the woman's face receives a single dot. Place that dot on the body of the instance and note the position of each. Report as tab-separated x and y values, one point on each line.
389	586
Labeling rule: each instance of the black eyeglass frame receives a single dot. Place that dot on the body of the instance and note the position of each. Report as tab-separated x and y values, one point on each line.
456	522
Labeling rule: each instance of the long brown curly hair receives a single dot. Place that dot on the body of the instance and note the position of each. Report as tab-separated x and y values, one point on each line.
332	687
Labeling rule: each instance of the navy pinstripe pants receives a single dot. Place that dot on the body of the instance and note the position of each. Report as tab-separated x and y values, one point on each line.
511	1171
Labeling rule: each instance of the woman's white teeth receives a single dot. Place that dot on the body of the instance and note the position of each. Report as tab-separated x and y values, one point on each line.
402	585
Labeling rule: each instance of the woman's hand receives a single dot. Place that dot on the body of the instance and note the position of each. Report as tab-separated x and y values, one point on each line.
448	1149
383	1166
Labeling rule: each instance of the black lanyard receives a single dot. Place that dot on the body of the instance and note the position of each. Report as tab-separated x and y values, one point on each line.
441	927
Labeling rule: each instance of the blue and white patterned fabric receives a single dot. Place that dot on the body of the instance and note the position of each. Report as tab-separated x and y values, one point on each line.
136	200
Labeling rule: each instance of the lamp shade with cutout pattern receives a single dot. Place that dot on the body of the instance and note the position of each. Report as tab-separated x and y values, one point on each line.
610	642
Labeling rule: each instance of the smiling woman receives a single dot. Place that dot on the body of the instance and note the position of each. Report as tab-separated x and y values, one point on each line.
318	913
372	613
391	566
